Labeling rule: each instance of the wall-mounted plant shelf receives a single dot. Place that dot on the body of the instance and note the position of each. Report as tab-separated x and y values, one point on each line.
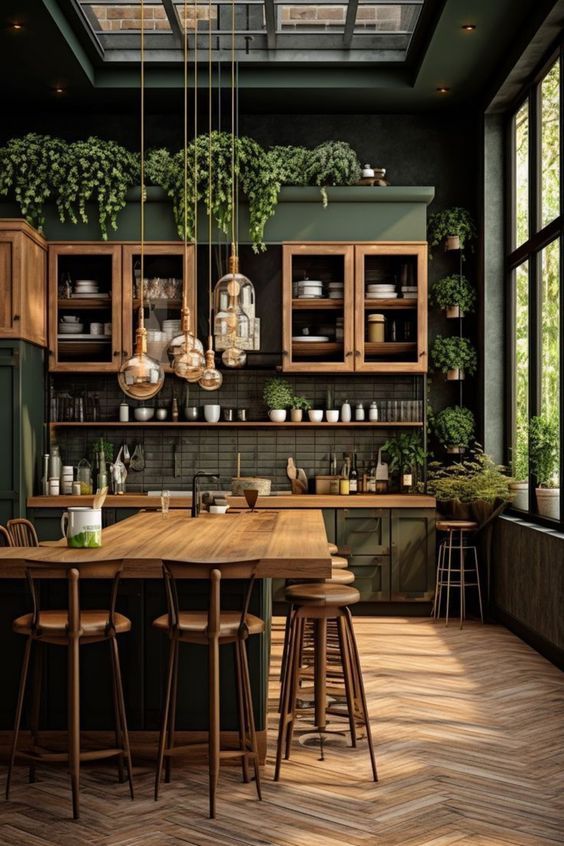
236	424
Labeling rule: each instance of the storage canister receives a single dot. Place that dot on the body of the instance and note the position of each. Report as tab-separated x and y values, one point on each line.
376	332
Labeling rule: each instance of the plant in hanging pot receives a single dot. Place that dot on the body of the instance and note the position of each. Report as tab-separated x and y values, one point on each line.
454	428
454	294
454	228
470	489
298	406
519	485
454	356
406	457
545	458
278	397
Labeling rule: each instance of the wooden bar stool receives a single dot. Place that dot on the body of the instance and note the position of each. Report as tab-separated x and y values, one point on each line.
5	537
453	568
71	628
212	629
339	562
22	532
320	603
333	549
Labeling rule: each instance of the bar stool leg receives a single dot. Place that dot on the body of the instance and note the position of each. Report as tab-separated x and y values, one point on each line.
449	571
250	718
347	674
285	656
241	712
462	555
295	685
123	716
320	680
478	583
19	709
173	646
74	721
436	609
118	732
172	718
213	739
365	716
36	703
291	671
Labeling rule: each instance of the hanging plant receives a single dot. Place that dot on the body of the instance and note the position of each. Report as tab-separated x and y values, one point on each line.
451	223
96	171
454	428
454	356
455	294
332	163
290	164
32	168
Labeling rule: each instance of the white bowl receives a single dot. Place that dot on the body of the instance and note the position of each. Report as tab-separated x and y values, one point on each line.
143	413
315	415
70	318
212	413
277	415
332	415
218	509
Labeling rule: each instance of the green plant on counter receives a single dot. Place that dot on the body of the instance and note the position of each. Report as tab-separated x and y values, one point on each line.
544	452
98	445
32	168
290	164
475	479
96	171
301	403
452	353
454	290
405	452
454	221
332	163
277	394
454	427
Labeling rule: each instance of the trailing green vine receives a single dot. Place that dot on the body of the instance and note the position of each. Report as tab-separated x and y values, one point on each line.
32	169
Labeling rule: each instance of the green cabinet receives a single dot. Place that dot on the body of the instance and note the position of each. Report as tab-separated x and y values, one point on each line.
412	568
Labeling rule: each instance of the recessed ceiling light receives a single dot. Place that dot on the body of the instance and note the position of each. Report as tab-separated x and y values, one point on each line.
59	90
468	27
16	27
442	89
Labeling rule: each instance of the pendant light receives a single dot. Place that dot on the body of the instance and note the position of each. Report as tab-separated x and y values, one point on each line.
141	377
232	322
185	350
211	379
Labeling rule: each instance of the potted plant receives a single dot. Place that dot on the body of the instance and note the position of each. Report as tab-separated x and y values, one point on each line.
544	457
298	406
469	489
406	456
454	294
519	486
452	227
454	356
278	396
454	427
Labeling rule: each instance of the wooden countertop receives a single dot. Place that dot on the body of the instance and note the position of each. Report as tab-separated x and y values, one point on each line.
287	544
282	501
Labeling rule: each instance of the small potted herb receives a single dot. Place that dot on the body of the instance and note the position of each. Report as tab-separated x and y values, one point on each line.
278	397
454	428
519	486
454	356
544	457
299	405
454	294
406	456
453	228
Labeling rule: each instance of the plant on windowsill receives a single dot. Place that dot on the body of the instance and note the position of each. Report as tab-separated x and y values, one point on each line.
454	228
298	406
454	356
454	294
406	457
278	397
520	471
454	428
544	457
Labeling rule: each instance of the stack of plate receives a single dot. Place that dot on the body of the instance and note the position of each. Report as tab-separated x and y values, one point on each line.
336	290
156	344
86	288
381	291
171	328
409	292
310	289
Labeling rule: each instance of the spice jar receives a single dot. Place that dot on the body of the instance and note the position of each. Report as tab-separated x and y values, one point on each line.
376	328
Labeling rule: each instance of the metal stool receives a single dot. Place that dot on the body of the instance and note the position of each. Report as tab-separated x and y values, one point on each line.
453	569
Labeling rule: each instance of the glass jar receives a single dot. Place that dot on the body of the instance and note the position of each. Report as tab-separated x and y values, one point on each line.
376	328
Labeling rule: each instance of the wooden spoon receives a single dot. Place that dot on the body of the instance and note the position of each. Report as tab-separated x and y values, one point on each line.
291	469
100	498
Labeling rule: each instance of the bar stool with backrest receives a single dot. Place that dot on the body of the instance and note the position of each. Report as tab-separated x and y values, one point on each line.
71	628
5	537
213	629
22	532
320	604
457	566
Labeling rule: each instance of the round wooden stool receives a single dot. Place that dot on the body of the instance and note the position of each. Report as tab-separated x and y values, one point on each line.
320	603
340	577
333	549
454	570
338	562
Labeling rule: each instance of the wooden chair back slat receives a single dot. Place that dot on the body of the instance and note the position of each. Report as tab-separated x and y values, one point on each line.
22	532
5	537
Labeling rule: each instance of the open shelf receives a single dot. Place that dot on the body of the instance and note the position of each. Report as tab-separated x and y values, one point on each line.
84	303
316	349
322	304
387	304
390	348
236	424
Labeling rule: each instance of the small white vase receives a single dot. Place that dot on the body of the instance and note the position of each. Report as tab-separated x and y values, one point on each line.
548	502
277	415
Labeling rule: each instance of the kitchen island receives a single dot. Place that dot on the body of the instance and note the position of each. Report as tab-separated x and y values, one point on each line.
286	544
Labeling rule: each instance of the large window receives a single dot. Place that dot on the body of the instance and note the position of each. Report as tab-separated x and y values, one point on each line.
535	293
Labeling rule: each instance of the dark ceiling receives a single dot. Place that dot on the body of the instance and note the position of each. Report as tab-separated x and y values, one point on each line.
48	54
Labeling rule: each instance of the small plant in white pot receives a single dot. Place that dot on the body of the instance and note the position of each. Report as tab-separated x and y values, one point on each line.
454	356
299	405
454	294
519	486
278	396
454	427
454	228
544	458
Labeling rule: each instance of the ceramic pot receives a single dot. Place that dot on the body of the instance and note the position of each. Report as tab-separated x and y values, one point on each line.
277	415
455	450
548	502
212	413
315	415
332	415
520	491
456	374
453	312
296	415
452	242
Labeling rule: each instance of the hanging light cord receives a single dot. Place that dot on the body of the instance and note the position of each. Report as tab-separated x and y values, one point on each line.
210	124
233	198
141	325
195	181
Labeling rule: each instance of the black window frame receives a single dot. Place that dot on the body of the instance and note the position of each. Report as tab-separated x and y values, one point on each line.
531	251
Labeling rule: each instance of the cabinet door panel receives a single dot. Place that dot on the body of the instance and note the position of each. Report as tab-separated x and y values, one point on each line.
6	285
413	554
372	577
365	530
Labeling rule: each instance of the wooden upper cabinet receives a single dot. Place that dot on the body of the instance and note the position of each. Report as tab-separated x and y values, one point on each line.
23	282
391	302
85	293
318	320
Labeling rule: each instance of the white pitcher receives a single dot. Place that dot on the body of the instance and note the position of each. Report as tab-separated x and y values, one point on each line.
82	527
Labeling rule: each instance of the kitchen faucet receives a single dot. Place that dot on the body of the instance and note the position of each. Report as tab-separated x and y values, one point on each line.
201	474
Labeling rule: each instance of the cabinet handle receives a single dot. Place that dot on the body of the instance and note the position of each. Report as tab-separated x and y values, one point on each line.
15	318
422	354
348	353
285	352
357	353
116	353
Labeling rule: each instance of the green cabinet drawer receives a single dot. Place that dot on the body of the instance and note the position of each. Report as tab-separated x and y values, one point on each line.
365	530
371	577
413	554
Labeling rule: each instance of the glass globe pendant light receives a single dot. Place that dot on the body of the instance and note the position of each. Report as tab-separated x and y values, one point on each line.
141	377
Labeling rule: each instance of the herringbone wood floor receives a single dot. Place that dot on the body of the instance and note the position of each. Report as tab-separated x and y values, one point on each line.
468	728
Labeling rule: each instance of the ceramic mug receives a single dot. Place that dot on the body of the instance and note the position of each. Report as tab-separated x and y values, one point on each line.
82	527
96	328
212	413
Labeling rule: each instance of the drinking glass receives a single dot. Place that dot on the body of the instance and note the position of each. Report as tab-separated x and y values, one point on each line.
165	502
